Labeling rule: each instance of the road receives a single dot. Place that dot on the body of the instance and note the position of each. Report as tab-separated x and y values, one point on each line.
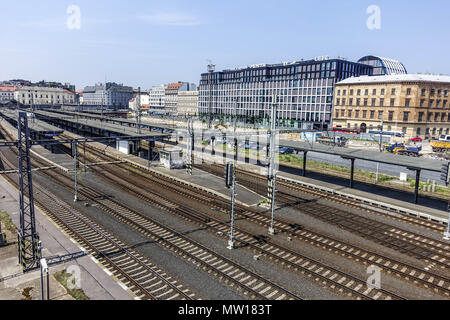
370	166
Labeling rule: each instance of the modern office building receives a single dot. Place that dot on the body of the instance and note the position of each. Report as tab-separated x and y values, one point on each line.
187	104
417	105
157	99
43	96
109	95
303	90
171	95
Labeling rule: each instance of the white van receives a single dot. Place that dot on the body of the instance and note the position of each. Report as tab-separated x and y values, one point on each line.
445	138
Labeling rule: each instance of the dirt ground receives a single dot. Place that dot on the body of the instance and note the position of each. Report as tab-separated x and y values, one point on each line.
23	286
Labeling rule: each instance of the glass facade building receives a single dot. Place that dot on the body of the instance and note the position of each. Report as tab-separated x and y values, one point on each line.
383	66
303	91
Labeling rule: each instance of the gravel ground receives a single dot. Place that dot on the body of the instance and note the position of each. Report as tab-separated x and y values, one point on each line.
295	281
209	288
186	273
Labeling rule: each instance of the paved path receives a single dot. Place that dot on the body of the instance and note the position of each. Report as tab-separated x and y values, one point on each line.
96	284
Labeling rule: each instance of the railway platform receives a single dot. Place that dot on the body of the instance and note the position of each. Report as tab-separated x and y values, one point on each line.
199	179
379	200
216	185
54	156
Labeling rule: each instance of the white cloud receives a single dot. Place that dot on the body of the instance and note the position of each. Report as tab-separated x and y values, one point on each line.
44	23
173	19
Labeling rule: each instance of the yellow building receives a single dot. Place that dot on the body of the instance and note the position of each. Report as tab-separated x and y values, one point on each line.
416	105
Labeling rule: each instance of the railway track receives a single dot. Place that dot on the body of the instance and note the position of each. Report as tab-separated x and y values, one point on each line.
430	250
144	279
253	285
336	279
436	282
259	184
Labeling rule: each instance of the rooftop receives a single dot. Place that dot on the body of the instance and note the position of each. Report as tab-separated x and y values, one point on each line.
397	78
7	88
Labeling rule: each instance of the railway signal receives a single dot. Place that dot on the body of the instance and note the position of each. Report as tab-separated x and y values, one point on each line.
190	145
271	175
229	175
75	157
230	182
445	173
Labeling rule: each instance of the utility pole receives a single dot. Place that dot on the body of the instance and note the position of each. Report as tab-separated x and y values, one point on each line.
28	237
190	145
138	112
44	269
103	100
231	169
32	107
75	157
231	180
380	149
447	233
211	68
272	177
445	177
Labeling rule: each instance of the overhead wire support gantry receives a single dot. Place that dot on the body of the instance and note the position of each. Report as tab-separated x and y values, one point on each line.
28	237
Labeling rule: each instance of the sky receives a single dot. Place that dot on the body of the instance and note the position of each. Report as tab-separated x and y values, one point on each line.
145	42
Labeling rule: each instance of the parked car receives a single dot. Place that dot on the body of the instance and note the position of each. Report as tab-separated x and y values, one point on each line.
417	139
286	150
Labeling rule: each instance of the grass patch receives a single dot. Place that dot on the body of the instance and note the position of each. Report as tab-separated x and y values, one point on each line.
360	175
62	277
9	225
26	293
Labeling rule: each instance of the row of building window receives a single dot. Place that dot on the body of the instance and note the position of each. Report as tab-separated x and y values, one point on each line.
438	117
431	103
440	92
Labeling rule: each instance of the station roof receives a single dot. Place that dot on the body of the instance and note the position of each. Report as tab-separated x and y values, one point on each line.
367	155
74	114
110	127
34	125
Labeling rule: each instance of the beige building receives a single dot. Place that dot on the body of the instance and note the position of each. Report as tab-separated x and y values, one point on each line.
416	105
44	95
144	101
187	104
